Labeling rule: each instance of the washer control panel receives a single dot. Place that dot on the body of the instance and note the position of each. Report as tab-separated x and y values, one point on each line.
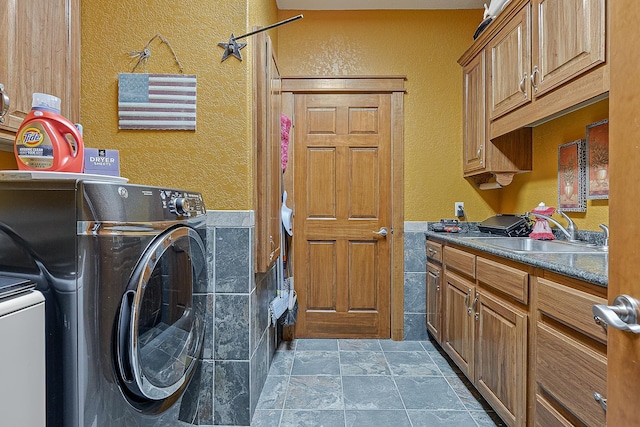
181	203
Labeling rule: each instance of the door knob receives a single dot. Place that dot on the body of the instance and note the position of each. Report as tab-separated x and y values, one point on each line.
623	314
383	232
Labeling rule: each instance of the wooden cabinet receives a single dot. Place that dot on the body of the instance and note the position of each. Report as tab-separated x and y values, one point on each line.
268	172
458	334
569	39
485	333
501	356
40	51
434	289
509	65
537	59
474	112
570	355
525	338
545	44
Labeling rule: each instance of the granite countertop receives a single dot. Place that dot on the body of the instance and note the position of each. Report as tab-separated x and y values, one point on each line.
590	267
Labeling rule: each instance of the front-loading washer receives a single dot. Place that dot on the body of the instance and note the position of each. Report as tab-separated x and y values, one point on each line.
123	271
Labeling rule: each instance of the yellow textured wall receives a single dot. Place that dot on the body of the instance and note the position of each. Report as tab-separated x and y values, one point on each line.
216	158
7	160
423	46
541	185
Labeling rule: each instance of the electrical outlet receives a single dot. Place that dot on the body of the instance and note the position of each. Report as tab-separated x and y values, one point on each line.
459	209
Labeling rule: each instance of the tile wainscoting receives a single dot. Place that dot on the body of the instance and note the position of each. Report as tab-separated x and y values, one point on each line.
415	281
239	342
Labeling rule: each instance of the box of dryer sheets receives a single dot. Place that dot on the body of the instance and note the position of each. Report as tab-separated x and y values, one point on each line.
102	162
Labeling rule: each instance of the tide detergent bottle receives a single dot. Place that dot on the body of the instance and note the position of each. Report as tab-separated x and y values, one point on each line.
47	141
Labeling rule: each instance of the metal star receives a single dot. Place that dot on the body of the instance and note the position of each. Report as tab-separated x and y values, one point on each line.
232	48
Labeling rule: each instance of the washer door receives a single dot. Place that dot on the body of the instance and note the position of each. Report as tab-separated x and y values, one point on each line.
160	330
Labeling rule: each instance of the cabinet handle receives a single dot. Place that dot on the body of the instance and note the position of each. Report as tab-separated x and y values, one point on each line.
601	400
479	154
466	301
432	252
522	82
473	307
4	103
533	78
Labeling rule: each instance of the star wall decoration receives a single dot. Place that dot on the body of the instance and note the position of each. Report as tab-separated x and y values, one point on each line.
232	48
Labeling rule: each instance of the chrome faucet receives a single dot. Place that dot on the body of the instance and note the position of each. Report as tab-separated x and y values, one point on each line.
605	245
571	232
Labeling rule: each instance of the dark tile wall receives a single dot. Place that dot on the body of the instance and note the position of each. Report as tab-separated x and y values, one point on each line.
415	280
239	342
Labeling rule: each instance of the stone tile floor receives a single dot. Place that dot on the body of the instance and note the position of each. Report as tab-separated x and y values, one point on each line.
353	383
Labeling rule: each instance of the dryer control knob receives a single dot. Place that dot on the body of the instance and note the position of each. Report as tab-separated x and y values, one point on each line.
179	206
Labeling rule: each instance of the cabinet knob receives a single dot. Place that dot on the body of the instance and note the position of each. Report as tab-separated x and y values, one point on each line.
623	314
4	103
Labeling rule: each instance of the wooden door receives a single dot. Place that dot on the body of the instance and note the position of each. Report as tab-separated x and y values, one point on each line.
509	65
457	336
623	350
569	39
501	357
342	182
475	126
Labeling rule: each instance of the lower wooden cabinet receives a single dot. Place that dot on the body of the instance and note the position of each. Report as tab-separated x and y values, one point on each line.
458	334
570	357
501	356
537	361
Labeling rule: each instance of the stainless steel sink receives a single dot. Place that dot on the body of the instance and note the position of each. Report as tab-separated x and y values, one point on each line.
528	245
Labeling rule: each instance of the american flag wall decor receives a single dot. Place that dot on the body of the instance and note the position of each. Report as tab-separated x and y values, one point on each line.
157	101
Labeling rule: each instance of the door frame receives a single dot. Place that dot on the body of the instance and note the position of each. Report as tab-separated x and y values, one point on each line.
393	85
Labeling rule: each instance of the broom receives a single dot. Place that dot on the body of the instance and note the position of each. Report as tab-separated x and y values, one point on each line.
291	314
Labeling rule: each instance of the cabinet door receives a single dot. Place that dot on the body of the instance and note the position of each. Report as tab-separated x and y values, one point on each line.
509	65
569	40
268	176
39	48
434	301
500	357
475	126
457	338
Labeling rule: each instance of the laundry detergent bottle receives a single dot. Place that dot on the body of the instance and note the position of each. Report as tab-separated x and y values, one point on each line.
47	141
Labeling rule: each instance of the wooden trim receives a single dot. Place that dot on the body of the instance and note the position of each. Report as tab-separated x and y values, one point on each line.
397	215
342	84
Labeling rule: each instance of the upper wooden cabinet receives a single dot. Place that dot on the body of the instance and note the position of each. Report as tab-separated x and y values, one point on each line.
509	65
40	51
475	126
568	39
545	44
541	58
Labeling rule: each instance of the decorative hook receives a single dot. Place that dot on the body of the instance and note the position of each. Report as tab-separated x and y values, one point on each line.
233	47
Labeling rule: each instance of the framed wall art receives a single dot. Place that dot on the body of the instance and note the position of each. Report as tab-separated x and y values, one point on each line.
598	160
572	177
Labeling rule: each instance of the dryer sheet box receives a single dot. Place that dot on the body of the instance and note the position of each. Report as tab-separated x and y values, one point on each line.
102	162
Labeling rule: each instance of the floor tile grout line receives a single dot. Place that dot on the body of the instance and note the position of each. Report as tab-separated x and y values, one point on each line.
393	378
344	406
